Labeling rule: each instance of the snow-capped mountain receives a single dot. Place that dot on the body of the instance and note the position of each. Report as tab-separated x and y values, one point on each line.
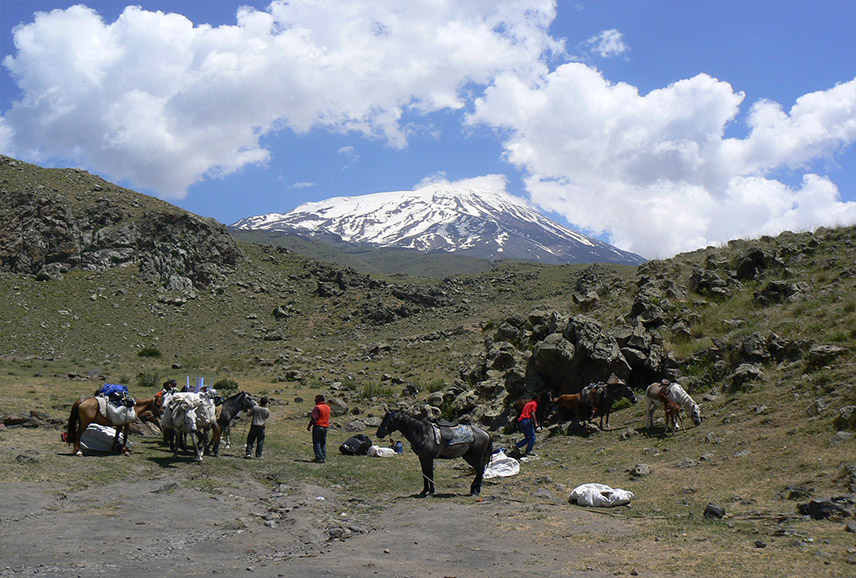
442	217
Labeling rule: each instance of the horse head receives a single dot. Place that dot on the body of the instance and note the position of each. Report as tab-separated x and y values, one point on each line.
628	393
388	425
696	415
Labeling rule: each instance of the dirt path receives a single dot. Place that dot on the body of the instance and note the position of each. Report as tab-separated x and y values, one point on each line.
159	528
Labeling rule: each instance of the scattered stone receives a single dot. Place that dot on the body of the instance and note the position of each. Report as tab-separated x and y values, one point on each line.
841	437
714	511
760	544
686	463
640	470
835	508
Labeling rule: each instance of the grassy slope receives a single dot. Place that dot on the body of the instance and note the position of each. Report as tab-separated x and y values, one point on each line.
763	440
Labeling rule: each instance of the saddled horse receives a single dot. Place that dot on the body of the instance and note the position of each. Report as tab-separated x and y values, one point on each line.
241	401
609	394
430	441
675	393
86	411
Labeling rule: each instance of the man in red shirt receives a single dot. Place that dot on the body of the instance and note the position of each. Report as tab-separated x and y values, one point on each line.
318	423
528	421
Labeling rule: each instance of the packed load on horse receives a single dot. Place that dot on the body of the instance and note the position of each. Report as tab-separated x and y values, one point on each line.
193	413
111	406
431	441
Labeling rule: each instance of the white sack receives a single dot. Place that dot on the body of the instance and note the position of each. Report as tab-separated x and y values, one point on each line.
381	452
501	466
599	495
99	438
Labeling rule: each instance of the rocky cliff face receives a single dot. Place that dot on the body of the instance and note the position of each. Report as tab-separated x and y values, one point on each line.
54	221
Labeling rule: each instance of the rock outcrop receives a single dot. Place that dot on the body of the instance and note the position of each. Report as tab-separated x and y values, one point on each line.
54	221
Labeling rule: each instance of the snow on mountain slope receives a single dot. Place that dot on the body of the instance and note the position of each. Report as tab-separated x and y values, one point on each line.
441	217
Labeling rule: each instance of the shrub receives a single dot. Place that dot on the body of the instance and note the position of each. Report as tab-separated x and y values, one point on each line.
371	390
148	380
436	385
226	384
149	351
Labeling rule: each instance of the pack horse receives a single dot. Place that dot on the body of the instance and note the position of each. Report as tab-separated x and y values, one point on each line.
431	441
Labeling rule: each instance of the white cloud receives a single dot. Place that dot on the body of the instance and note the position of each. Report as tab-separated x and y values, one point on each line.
164	103
655	172
607	44
6	137
302	185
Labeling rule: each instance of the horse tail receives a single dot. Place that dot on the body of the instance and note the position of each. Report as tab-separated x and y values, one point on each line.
73	418
488	453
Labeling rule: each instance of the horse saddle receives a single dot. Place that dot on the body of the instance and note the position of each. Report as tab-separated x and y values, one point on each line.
590	394
461	434
118	414
664	389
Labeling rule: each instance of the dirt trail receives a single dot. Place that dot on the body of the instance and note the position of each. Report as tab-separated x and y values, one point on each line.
159	528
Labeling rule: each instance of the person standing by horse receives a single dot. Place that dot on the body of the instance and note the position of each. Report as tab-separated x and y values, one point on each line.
319	421
259	415
528	423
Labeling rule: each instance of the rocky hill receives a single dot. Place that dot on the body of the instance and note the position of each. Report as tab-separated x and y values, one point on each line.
53	221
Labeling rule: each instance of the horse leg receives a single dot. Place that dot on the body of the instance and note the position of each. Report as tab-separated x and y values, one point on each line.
126	429
427	475
198	444
215	440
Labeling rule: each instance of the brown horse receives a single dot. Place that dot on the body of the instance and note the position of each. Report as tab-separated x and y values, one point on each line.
673	412
85	412
574	403
584	411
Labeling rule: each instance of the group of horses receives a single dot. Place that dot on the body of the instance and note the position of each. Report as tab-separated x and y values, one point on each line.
428	440
177	414
585	406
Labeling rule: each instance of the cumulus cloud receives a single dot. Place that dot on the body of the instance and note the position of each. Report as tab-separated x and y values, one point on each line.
607	44
654	172
162	102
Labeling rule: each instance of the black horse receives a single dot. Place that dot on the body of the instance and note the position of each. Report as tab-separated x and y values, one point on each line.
241	401
430	441
608	396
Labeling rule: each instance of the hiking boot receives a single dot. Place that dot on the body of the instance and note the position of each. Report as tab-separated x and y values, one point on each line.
248	457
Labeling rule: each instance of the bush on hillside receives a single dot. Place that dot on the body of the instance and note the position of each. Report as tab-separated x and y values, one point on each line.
149	351
226	384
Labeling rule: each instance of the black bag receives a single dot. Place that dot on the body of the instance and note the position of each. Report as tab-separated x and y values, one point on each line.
357	445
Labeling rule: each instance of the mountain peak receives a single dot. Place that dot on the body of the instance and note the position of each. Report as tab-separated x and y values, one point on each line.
479	222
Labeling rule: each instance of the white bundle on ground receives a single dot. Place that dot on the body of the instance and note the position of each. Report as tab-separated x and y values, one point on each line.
501	466
381	452
599	495
99	438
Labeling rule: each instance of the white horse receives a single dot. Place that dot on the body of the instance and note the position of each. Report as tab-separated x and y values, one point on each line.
192	413
675	393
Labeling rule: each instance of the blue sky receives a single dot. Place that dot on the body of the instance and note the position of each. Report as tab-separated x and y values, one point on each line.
660	126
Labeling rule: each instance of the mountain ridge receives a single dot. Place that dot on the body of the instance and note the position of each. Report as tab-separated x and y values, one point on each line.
443	218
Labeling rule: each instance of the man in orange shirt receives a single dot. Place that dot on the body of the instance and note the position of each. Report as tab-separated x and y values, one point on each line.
528	422
318	423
